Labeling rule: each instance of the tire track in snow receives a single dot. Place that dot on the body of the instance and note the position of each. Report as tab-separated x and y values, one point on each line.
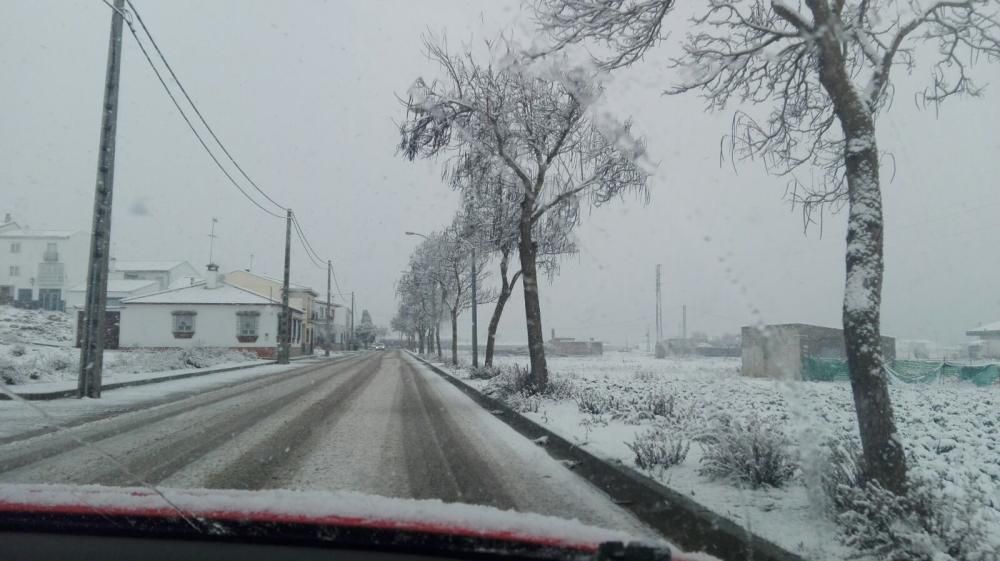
279	455
58	458
471	478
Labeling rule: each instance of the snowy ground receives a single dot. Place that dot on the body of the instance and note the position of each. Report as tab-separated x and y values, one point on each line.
375	423
950	431
36	349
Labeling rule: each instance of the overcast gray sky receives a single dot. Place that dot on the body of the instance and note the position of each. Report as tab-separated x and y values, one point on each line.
303	94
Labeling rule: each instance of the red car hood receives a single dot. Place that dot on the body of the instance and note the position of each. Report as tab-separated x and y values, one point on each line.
225	512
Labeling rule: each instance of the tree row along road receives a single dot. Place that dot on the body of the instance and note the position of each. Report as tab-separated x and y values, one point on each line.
376	423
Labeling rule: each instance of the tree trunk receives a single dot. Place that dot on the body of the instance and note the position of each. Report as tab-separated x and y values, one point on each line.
885	461
420	337
506	289
454	337
527	250
437	339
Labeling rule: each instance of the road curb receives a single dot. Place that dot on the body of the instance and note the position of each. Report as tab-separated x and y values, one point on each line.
682	520
61	394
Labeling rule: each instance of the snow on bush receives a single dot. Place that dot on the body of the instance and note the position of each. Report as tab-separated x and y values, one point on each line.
137	362
753	451
938	519
484	372
658	449
510	381
34	326
947	514
51	364
512	385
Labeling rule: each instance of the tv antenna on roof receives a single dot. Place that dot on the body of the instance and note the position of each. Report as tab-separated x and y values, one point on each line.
211	241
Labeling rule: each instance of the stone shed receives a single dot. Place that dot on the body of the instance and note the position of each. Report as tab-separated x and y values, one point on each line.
780	351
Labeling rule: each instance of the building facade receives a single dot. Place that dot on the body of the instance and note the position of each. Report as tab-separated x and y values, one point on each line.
988	344
38	266
299	296
208	313
780	351
166	274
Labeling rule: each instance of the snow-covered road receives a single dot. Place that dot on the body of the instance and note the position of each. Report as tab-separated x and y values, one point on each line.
377	423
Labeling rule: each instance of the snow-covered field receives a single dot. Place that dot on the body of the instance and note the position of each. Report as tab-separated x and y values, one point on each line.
950	431
36	347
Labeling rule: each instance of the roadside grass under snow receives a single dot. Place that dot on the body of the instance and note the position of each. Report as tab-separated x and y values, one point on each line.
36	347
770	454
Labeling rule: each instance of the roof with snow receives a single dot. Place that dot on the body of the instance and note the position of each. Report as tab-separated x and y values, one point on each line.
988	329
291	285
118	285
23	233
146	265
199	293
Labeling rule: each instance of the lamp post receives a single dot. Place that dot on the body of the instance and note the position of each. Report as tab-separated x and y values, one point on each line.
475	334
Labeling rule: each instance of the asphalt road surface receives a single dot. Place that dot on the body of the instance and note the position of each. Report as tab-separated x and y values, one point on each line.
377	423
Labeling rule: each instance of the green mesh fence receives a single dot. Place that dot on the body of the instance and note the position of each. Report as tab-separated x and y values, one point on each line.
905	371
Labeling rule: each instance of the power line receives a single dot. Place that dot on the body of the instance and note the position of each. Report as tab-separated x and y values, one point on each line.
305	242
187	120
315	257
195	107
298	232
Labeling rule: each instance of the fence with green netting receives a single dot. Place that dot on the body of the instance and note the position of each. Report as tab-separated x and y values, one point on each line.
905	371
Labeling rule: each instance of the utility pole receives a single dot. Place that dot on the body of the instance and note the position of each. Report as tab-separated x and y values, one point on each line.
285	326
475	336
92	343
659	306
684	322
329	331
352	320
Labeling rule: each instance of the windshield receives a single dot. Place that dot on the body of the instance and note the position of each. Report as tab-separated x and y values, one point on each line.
714	276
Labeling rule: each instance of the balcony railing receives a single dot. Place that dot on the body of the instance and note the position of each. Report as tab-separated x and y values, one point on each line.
50	256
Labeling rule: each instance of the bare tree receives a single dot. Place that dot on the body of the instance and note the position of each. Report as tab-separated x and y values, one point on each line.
538	129
490	216
825	66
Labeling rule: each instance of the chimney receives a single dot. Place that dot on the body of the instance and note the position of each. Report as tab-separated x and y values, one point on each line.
212	280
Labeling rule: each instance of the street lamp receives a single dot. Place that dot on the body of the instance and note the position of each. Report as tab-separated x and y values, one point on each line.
475	334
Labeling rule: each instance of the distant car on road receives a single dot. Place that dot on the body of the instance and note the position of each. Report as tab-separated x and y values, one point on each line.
378	347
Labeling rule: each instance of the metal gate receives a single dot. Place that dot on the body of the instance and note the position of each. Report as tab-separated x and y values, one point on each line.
112	321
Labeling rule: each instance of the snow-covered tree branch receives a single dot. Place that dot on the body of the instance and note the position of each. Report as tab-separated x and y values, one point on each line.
534	124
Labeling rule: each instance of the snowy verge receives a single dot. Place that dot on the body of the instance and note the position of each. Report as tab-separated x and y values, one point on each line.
608	404
680	518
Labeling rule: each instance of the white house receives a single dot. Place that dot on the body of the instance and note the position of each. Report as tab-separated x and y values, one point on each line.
208	313
339	318
299	296
37	266
167	274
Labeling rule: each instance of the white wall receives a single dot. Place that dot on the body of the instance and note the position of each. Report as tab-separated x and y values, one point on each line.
151	325
73	254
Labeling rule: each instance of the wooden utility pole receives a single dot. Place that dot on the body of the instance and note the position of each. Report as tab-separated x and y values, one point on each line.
659	306
285	325
684	322
475	305
329	332
94	315
352	320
